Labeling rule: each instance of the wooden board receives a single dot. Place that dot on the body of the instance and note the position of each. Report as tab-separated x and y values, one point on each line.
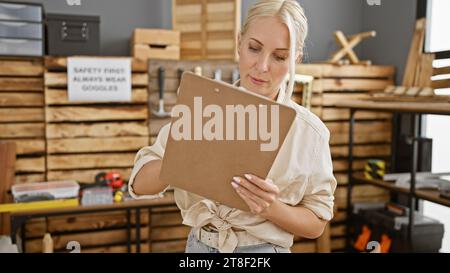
29	146
88	145
90	161
85	176
8	99
21	130
170	233
96	113
60	97
29	178
173	246
30	164
335	114
345	71
100	129
13	114
28	84
26	67
380	150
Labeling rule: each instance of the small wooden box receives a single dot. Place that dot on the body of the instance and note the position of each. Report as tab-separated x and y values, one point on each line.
156	44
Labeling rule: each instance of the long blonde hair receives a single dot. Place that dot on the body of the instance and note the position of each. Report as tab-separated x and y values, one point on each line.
292	14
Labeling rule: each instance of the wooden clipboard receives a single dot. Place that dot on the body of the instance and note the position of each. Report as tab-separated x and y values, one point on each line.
206	167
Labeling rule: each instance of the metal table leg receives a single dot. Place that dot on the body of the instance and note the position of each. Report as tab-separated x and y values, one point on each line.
128	230
138	230
350	174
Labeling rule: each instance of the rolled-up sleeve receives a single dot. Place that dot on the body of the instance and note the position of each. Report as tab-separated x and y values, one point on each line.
319	193
145	155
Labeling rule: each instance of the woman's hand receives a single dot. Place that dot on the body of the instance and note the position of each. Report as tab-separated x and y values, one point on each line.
259	194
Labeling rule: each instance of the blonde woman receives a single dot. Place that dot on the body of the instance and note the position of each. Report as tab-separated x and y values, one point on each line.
297	196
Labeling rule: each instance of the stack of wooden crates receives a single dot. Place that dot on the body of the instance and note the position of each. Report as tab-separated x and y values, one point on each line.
208	28
22	115
84	139
372	133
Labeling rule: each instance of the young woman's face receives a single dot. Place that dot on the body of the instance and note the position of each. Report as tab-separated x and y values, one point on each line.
264	56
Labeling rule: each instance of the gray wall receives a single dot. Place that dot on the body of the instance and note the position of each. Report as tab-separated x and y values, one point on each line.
393	21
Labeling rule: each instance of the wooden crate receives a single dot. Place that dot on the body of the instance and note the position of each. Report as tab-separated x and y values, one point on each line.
155	44
372	132
171	83
208	29
22	115
86	138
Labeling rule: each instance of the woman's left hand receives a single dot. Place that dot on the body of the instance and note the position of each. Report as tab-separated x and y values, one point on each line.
258	193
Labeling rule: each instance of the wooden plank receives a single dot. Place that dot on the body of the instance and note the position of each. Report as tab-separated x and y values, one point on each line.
29	178
83	222
175	246
21	99
381	150
360	191
90	161
21	84
103	129
171	52
156	36
30	164
341	178
21	67
87	239
345	71
85	176
339	230
330	99
338	138
334	114
169	233
21	114
80	145
361	126
60	97
29	146
208	68
7	170
354	84
338	244
440	84
342	165
60	63
304	247
59	79
414	53
441	70
98	113
21	130
166	219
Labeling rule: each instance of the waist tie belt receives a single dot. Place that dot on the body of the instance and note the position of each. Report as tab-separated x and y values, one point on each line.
211	238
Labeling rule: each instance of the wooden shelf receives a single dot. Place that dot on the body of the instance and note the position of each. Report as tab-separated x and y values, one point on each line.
429	195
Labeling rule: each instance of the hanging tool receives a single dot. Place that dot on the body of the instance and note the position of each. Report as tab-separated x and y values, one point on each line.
180	72
234	75
198	70
218	74
161	113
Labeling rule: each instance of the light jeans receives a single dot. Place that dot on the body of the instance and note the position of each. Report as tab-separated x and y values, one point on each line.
194	245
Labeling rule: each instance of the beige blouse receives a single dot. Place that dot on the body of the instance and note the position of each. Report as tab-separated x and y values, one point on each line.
302	171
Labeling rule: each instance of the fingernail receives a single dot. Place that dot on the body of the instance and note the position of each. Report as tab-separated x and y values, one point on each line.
268	180
249	177
234	185
236	179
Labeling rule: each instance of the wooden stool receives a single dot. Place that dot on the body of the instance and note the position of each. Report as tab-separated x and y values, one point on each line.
348	43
